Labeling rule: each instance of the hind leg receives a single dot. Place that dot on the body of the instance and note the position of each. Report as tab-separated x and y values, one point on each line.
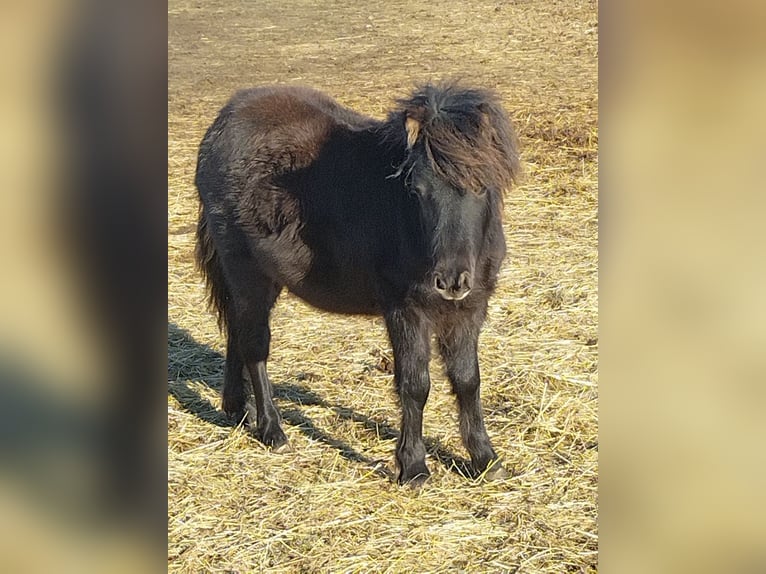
254	343
253	296
234	391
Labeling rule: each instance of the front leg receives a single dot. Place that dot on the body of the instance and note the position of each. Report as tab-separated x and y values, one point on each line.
458	344
410	341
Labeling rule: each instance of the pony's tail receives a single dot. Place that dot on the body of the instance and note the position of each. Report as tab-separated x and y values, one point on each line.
209	265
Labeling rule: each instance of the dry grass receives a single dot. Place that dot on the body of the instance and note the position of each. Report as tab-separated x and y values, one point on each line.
330	505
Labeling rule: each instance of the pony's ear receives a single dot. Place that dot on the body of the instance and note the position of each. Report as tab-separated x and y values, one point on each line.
412	127
484	114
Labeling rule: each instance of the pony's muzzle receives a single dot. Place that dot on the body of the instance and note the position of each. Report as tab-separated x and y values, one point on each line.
454	286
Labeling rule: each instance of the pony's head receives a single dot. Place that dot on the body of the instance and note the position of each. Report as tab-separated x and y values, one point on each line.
461	156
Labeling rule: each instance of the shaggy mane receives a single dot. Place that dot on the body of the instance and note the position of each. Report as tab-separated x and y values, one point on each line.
464	134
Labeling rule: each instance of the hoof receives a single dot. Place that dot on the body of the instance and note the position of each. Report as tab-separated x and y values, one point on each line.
234	409
272	437
235	417
283	448
414	478
496	472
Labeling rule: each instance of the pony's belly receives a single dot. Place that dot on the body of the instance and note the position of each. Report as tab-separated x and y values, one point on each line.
338	281
336	299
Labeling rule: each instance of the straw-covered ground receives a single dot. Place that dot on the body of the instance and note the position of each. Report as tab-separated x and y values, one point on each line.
330	505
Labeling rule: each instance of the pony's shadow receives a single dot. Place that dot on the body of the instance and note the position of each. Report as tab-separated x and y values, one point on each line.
191	360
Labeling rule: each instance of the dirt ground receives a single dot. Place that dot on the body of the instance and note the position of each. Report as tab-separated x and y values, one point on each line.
330	505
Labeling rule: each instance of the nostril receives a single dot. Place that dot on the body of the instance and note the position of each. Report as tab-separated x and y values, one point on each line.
464	281
439	283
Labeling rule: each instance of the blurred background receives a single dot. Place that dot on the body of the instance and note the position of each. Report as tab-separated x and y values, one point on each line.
82	196
682	279
81	302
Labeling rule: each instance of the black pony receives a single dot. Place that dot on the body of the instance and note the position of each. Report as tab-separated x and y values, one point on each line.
399	218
